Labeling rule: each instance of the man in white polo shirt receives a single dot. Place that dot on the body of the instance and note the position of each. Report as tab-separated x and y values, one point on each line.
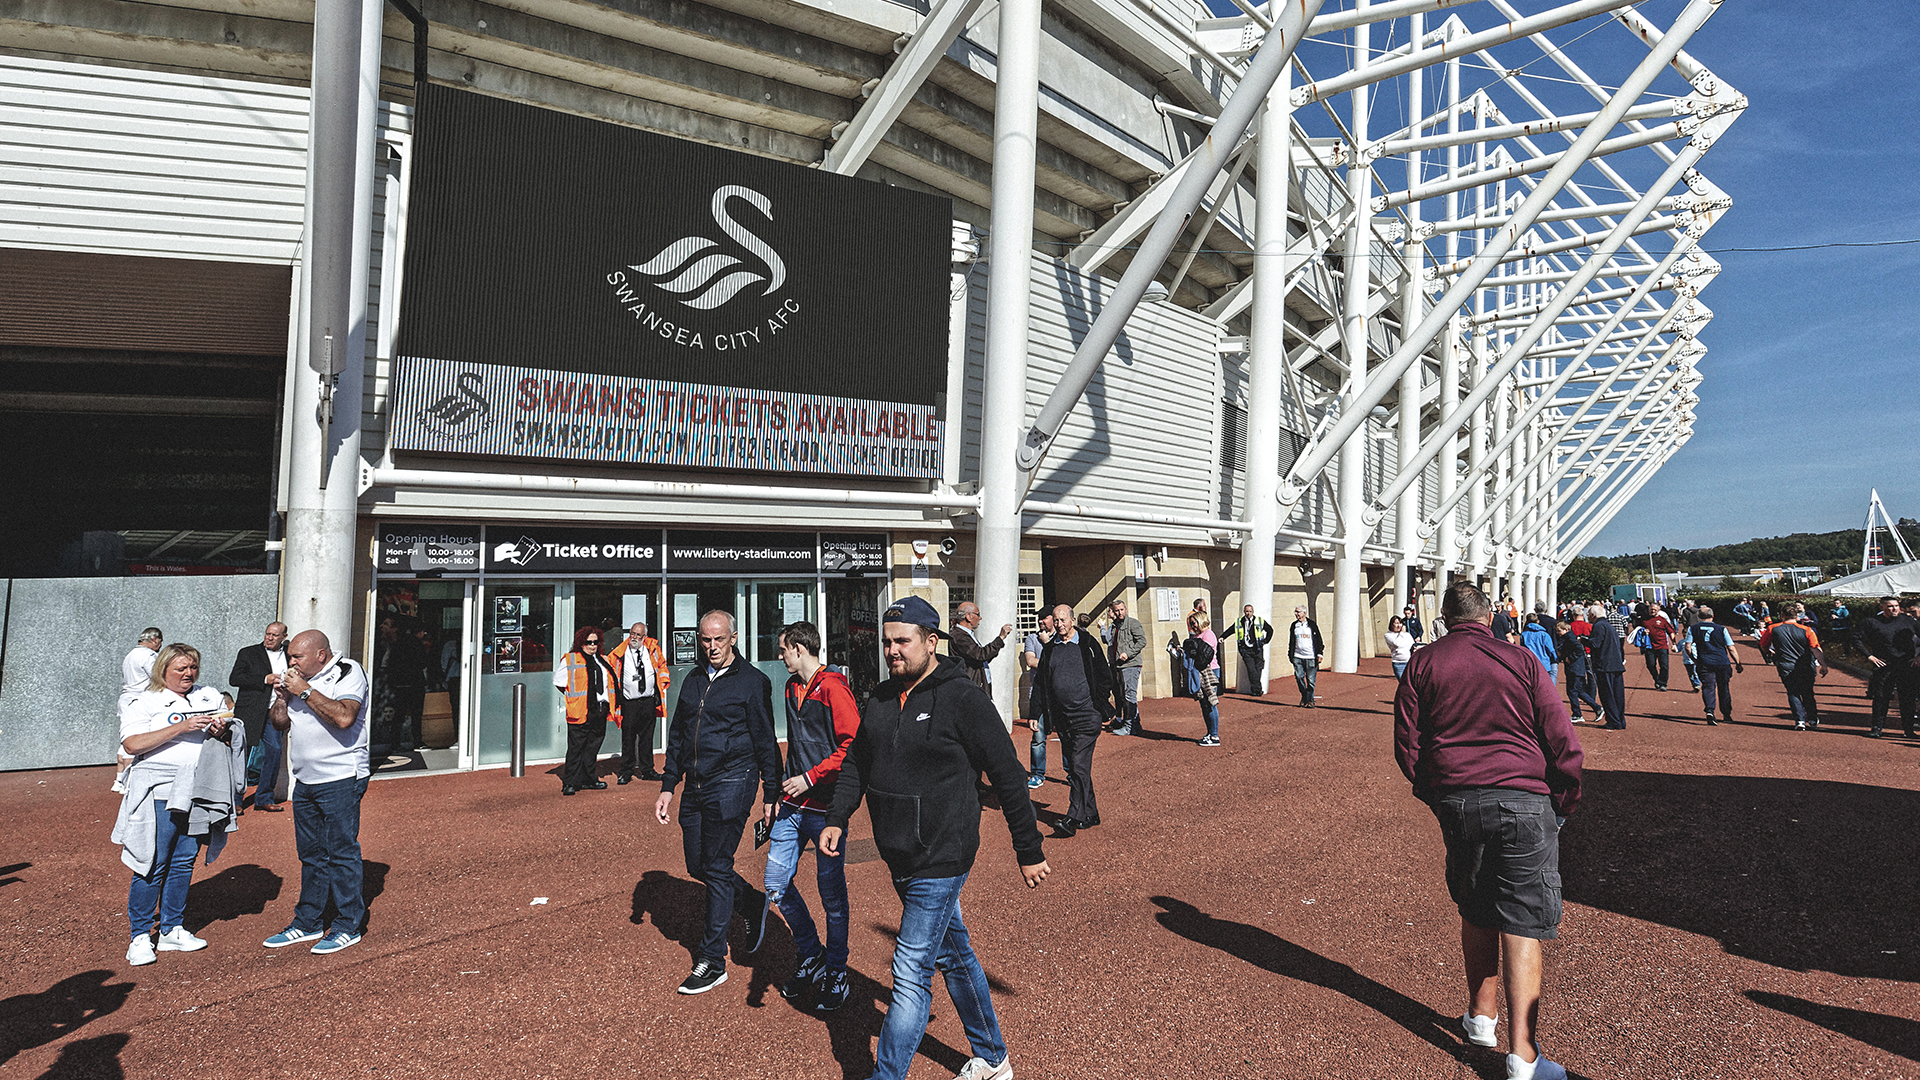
320	702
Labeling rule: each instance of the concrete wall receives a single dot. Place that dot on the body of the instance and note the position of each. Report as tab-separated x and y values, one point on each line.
65	638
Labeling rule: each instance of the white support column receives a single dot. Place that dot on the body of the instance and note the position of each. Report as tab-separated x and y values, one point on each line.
316	589
1412	310
1477	463
1267	351
1349	573
1016	118
1497	465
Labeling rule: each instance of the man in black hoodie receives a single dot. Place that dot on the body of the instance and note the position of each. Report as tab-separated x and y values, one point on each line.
927	735
721	740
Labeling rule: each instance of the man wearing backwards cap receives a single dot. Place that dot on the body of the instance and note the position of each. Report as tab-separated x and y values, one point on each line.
927	734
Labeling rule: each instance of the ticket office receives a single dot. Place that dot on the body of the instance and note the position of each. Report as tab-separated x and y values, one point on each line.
532	587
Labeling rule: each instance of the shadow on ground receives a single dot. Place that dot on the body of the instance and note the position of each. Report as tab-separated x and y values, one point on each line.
89	1059
1799	874
30	1020
678	909
238	890
1894	1034
1267	950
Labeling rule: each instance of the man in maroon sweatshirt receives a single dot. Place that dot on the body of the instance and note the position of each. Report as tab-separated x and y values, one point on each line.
1481	731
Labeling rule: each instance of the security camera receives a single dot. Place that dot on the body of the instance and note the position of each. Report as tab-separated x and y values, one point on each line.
948	545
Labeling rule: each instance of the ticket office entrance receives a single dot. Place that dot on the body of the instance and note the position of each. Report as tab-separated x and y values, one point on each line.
530	624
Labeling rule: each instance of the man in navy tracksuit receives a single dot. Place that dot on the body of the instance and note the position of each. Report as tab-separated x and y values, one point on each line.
927	735
1608	658
1716	661
721	741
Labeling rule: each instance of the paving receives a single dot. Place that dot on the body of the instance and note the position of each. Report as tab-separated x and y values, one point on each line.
1739	903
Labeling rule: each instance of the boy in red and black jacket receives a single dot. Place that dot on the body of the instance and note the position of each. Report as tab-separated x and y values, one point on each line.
822	719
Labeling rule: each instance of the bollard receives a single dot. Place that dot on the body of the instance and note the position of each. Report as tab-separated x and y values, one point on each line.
519	766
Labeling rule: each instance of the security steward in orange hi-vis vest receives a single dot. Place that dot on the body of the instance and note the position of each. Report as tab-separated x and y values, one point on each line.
644	680
590	685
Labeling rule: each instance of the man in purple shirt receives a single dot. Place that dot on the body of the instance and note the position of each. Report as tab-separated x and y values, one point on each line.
1481	731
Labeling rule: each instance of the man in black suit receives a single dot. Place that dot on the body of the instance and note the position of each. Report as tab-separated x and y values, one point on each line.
254	672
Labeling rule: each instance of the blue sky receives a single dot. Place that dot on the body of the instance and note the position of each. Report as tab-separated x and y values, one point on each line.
1811	351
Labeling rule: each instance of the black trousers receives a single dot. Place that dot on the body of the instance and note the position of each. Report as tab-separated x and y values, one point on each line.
1613	696
1077	736
636	734
712	817
1657	666
1885	683
583	750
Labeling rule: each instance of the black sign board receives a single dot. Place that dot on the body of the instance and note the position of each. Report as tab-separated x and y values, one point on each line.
853	553
542	549
540	239
740	552
416	549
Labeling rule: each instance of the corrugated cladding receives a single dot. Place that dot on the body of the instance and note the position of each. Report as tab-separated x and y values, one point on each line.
133	162
1146	441
119	161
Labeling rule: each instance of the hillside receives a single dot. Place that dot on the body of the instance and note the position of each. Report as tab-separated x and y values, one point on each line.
1836	553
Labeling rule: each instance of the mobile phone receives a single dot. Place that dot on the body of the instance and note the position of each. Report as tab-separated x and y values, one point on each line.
761	830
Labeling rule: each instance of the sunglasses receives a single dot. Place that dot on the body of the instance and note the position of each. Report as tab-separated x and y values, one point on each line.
591	641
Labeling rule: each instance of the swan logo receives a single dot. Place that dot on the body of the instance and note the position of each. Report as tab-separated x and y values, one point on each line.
462	413
698	273
707	281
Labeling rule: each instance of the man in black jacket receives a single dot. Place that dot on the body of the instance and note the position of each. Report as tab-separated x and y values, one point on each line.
926	736
1072	682
722	742
252	679
1888	639
1607	656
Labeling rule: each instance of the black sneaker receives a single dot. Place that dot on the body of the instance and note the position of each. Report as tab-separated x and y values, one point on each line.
834	988
706	975
755	916
803	979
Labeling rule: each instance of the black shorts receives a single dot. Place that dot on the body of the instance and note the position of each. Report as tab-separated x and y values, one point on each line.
1503	859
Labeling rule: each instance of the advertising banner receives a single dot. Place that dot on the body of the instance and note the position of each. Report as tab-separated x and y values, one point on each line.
579	290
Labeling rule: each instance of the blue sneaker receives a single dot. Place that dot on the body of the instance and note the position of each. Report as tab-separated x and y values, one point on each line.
1537	1069
1036	781
334	942
292	935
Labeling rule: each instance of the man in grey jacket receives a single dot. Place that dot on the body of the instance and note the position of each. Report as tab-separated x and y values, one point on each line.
1126	640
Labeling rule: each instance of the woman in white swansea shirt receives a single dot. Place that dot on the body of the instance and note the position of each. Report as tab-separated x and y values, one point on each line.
1399	645
163	729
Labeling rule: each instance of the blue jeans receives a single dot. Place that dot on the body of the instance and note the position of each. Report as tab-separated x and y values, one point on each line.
1037	752
326	832
1304	674
1399	668
932	935
712	816
165	882
792	828
1715	681
1580	688
263	765
1799	684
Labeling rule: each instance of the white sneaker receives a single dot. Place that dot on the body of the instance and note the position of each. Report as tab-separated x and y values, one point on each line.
140	952
1481	1030
981	1069
179	940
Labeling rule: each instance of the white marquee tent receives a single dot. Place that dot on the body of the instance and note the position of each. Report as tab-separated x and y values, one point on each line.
1880	581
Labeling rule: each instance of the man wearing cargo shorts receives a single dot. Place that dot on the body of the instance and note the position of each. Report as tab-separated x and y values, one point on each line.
1480	730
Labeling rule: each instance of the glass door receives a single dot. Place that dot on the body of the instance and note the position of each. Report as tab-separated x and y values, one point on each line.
776	604
613	606
852	633
519	640
679	635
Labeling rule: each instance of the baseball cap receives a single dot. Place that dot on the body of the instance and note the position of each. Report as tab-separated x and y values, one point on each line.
914	612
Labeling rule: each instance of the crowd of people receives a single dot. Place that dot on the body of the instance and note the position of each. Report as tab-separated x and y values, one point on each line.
1480	731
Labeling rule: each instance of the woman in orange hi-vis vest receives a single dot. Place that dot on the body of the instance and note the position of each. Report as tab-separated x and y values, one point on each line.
589	683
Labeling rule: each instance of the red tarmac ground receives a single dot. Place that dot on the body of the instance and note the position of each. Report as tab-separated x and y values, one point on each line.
1739	903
